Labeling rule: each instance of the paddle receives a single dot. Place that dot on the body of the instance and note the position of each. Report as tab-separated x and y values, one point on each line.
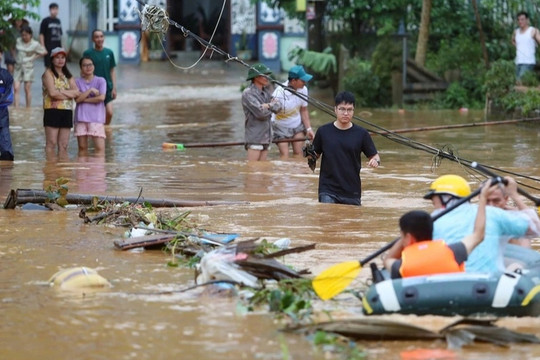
490	173
335	279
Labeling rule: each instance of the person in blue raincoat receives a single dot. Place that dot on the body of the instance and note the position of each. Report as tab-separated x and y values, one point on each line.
6	99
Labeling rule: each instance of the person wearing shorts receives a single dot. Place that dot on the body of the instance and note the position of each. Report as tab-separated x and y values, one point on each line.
258	107
90	111
105	67
28	50
9	60
59	91
292	121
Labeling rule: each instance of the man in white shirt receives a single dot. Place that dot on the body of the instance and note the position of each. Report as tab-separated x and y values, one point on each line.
525	39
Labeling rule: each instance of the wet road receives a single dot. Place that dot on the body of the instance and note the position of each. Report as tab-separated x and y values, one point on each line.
158	103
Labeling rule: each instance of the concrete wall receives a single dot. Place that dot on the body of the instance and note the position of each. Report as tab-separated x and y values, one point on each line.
287	44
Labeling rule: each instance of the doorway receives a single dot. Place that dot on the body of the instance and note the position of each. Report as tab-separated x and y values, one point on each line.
200	18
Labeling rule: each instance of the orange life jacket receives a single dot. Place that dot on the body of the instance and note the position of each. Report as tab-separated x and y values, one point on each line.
427	258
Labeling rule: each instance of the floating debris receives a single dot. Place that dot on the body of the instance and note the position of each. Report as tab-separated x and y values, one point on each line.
464	331
246	262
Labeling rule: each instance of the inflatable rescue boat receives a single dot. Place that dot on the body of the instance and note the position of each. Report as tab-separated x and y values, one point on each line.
514	293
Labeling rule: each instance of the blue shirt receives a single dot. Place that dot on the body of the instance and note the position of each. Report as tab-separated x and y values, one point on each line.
487	257
6	88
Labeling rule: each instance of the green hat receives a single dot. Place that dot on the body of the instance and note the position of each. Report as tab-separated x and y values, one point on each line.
258	70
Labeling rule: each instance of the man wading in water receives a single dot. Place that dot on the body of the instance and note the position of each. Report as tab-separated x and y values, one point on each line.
258	107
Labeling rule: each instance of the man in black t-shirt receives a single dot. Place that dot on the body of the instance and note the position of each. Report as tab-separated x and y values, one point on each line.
50	32
341	144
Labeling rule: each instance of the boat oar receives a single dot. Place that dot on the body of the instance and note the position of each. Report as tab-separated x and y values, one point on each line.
335	279
490	173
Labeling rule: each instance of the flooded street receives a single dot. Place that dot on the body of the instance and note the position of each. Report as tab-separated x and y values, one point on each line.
158	103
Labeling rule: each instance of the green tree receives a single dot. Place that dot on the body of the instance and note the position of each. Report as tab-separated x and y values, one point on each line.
11	10
456	39
357	17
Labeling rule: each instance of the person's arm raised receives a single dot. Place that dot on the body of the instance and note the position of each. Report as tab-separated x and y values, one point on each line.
472	240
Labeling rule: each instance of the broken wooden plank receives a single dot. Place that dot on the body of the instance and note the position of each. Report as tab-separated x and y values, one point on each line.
420	73
23	196
143	241
428	86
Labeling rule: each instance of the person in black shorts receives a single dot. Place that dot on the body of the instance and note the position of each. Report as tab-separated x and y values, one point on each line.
59	92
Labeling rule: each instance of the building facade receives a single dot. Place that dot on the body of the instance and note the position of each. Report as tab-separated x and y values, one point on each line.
254	32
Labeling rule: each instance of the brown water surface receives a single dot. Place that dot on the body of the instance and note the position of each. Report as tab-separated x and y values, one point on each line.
130	321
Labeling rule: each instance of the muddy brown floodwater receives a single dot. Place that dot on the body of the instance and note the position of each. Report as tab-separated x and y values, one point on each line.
158	103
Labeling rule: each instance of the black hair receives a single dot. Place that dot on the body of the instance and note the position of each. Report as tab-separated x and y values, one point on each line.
26	29
85	58
524	13
417	223
95	31
344	97
53	6
65	70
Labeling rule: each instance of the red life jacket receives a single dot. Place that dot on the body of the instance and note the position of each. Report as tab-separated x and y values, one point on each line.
427	258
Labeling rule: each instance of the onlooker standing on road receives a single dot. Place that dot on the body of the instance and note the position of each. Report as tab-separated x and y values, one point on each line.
90	111
525	39
292	121
14	33
258	108
6	98
50	32
341	144
28	50
59	90
104	66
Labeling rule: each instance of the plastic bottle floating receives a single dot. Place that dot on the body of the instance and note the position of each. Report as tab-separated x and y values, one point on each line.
77	278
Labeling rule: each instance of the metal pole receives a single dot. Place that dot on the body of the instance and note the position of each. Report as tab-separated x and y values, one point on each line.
404	61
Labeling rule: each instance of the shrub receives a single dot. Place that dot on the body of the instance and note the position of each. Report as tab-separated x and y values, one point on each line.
529	79
526	102
500	79
454	97
386	58
360	80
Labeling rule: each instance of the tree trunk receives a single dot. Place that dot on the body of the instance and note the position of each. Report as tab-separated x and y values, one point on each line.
23	196
481	34
423	33
316	28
